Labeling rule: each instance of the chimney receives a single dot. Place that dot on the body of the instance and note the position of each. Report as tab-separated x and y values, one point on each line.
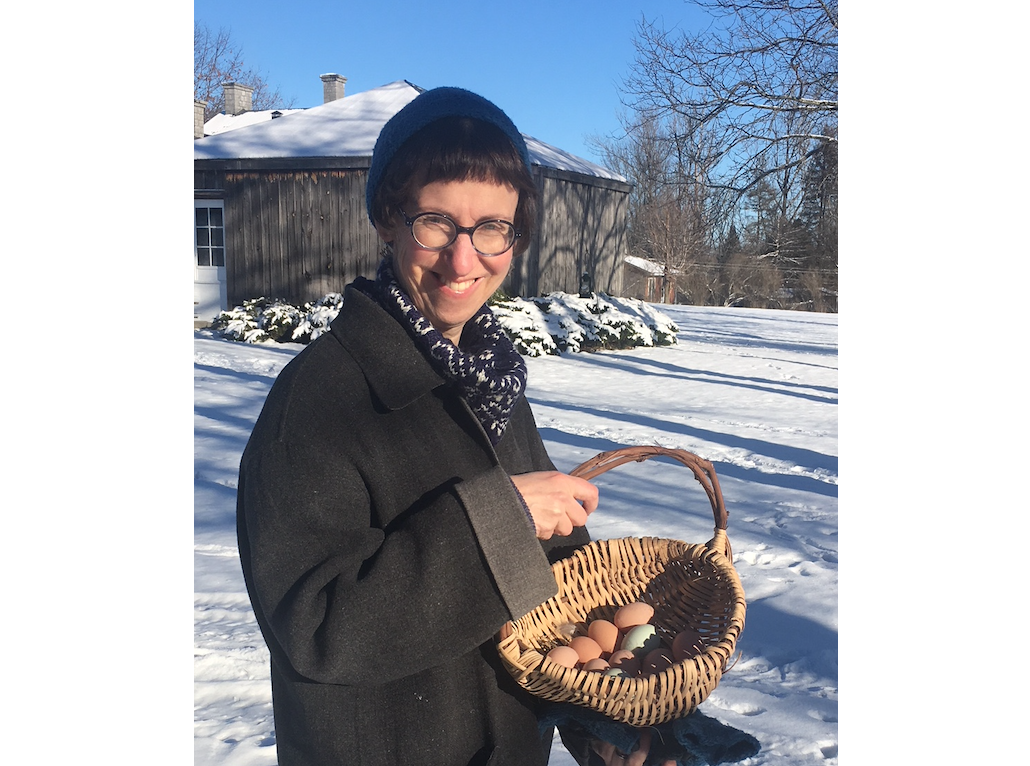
332	87
198	118
238	97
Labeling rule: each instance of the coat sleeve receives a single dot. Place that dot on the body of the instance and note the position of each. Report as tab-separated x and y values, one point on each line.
532	444
343	601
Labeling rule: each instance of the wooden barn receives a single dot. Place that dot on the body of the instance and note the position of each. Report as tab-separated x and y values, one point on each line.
645	280
280	208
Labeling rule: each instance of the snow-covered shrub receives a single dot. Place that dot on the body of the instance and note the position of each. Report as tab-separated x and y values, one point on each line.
526	325
662	329
248	323
317	317
584	324
262	320
278	320
552	324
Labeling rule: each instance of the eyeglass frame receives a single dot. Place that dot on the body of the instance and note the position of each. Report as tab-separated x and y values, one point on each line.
458	231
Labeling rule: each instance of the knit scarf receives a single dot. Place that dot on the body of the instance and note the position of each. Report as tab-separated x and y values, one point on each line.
488	371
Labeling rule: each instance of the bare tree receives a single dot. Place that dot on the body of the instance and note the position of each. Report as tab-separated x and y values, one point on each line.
752	283
762	78
672	211
217	58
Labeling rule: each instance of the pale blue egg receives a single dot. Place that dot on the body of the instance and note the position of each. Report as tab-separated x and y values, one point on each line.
641	640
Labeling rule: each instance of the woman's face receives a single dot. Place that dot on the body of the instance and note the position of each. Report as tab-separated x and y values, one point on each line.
449	286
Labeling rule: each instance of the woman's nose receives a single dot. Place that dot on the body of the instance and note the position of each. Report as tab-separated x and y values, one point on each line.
461	256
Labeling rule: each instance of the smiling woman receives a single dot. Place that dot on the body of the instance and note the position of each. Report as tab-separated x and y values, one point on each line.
396	505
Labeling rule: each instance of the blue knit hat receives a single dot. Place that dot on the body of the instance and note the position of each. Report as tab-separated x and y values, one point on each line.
430	106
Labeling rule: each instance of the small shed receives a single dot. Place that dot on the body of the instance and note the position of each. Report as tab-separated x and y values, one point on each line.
280	208
646	280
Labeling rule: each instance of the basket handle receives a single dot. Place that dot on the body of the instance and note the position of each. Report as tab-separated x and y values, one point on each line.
703	471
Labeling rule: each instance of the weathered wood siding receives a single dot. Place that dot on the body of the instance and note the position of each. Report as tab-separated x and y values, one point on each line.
582	228
296	235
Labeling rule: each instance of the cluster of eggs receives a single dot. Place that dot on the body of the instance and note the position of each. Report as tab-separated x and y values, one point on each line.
628	646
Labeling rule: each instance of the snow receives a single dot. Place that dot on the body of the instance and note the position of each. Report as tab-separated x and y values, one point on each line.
349	127
223	122
644	264
754	391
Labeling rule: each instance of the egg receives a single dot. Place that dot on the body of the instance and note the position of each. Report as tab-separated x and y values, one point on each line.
563	655
616	673
656	661
605	633
598	665
687	644
586	647
631	615
625	660
641	639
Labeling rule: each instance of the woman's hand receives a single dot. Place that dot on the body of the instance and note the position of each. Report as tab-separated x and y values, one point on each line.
556	501
612	757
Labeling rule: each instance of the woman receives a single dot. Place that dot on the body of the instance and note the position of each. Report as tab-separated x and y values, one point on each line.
396	503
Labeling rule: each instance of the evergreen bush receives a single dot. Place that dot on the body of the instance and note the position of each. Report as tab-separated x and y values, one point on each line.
551	324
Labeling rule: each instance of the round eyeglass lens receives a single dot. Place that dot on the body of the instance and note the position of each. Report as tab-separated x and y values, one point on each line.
436	232
433	231
493	237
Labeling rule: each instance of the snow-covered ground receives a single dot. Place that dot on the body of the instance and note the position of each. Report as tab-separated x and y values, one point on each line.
753	391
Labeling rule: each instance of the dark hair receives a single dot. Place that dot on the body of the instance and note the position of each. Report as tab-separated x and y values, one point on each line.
458	149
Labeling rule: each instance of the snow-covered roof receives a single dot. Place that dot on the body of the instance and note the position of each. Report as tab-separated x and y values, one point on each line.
656	269
222	122
349	127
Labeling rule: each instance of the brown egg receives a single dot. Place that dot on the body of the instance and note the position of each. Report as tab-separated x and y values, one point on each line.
563	655
631	615
625	660
598	665
605	634
687	644
586	647
656	661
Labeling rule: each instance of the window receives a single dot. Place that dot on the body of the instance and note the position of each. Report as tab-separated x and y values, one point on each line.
210	234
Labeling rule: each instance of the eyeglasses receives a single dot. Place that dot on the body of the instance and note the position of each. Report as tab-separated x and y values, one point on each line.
435	231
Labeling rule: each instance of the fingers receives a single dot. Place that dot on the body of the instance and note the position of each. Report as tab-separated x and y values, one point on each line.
609	753
612	756
557	502
638	756
586	494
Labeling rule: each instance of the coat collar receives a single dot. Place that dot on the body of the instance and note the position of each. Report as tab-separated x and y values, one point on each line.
396	371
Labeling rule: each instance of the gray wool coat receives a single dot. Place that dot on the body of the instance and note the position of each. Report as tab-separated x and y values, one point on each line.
383	546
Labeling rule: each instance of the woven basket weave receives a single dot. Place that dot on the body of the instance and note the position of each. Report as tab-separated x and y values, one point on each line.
689	585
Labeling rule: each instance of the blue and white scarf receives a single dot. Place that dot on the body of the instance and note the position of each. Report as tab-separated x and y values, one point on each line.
489	371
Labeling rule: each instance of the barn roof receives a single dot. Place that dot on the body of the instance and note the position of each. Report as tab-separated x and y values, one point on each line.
646	265
349	127
222	122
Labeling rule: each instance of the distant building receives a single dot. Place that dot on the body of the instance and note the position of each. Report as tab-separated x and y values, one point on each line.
646	280
279	200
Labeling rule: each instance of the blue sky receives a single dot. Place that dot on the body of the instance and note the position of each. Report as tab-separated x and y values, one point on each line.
555	66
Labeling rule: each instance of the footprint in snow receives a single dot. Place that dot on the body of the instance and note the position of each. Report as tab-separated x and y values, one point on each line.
743	708
822	716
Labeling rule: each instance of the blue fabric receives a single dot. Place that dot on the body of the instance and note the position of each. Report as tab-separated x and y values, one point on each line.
428	107
694	740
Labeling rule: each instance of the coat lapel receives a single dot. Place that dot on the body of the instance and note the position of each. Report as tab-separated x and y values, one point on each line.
395	370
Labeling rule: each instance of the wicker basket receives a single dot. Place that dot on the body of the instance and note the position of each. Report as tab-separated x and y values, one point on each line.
689	585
